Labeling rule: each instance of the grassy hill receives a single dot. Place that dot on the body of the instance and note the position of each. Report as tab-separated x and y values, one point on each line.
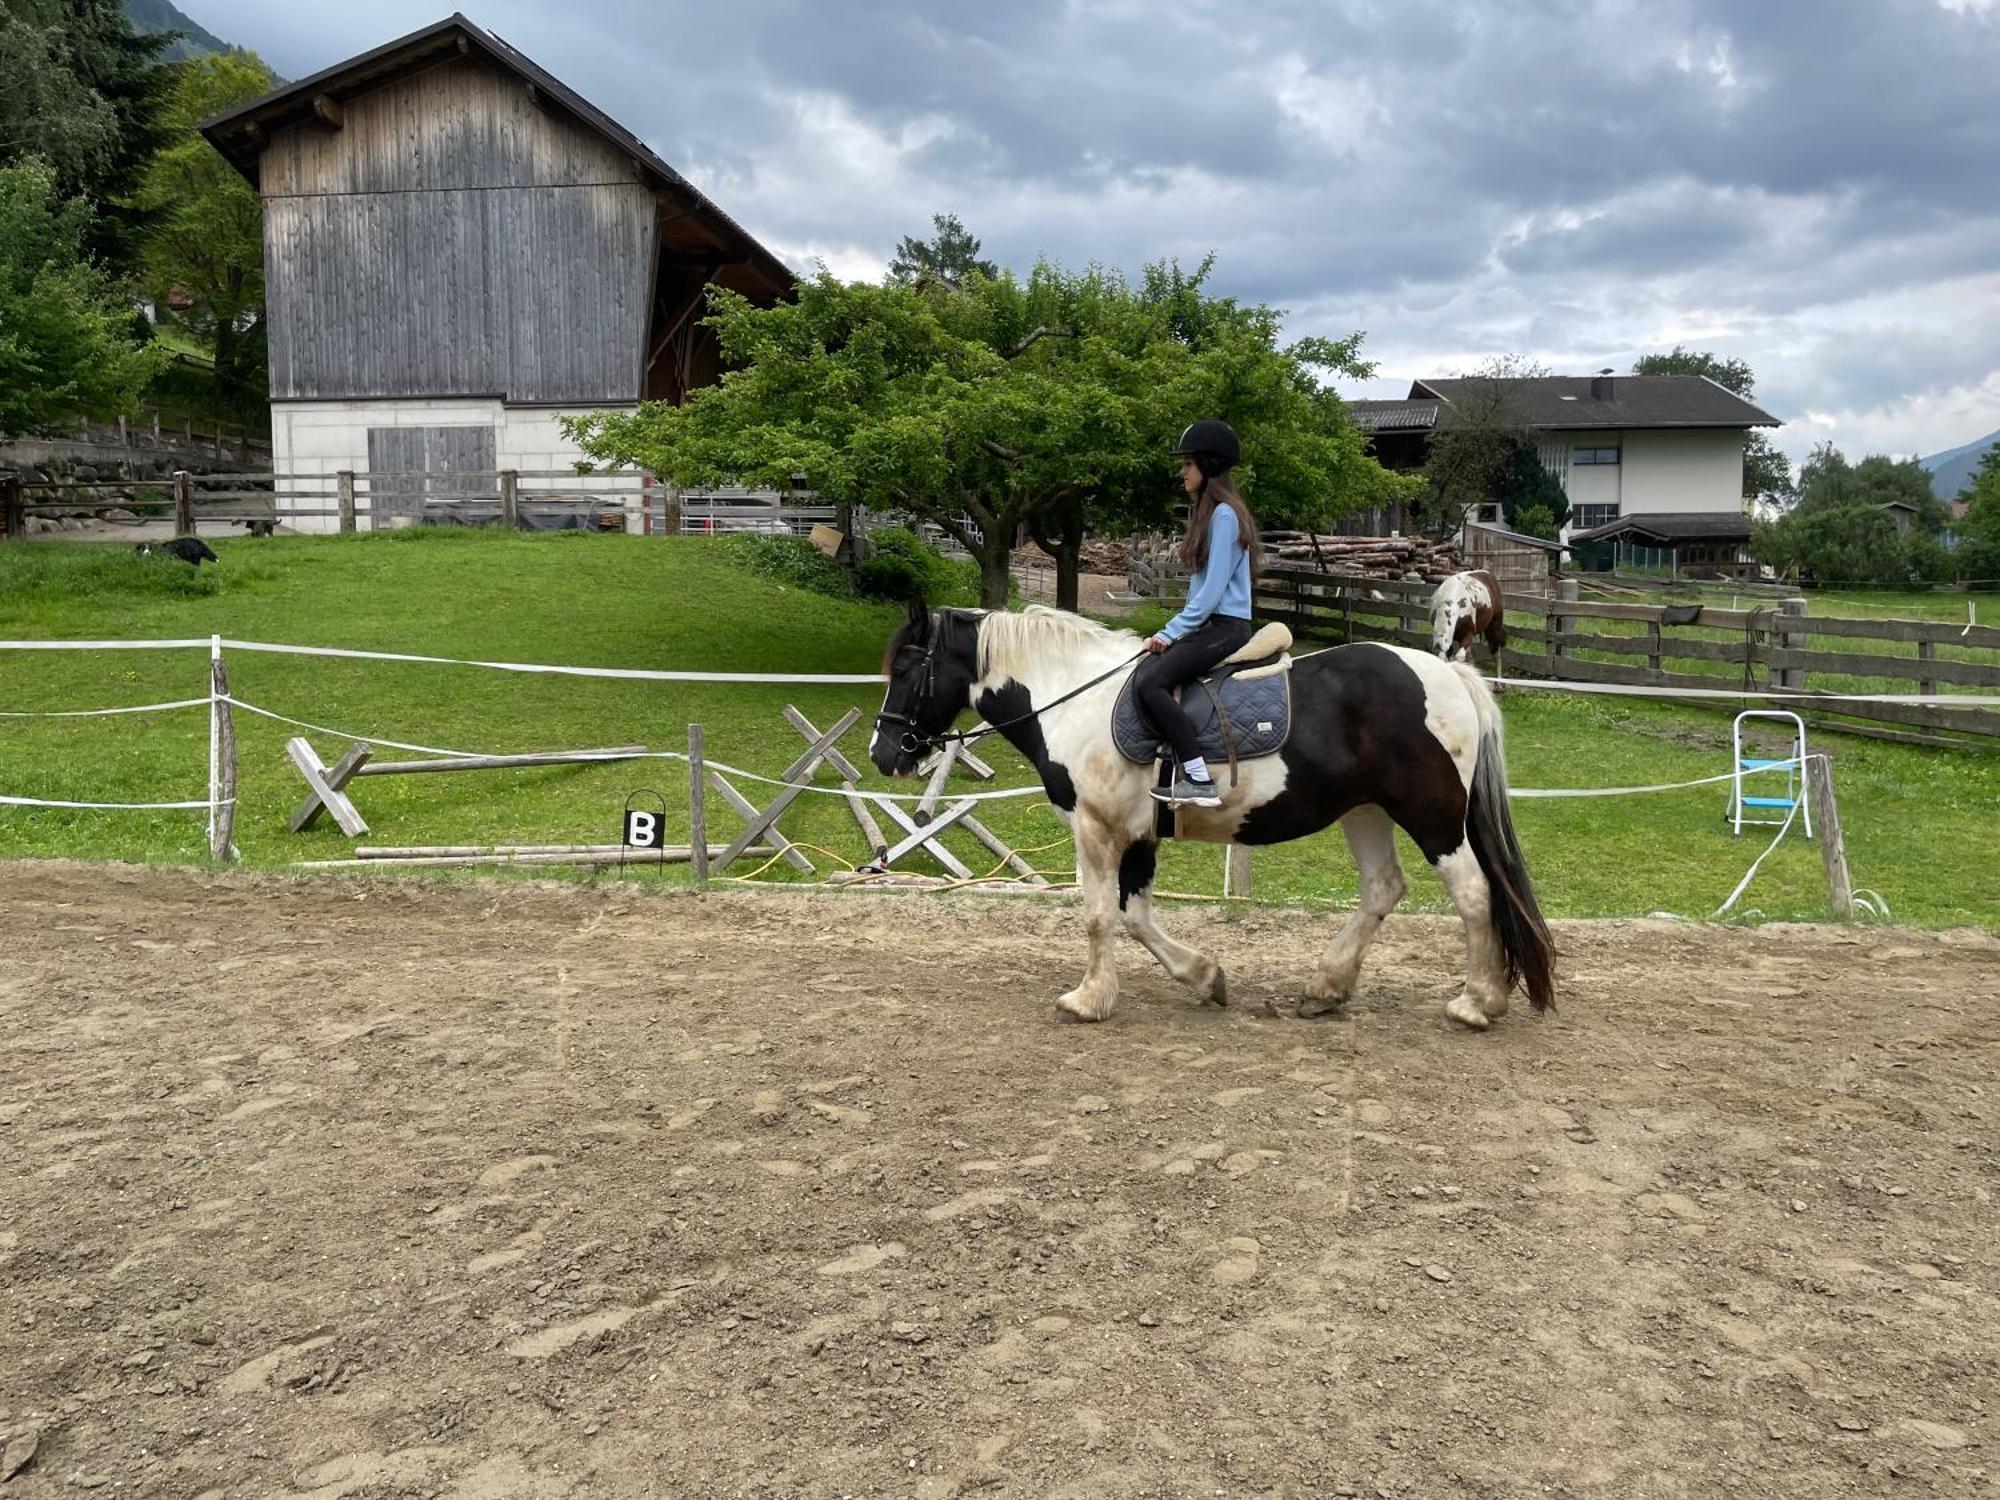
592	600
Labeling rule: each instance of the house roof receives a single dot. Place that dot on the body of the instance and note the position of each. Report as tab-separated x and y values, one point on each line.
1566	401
1394	416
240	134
1517	536
1672	526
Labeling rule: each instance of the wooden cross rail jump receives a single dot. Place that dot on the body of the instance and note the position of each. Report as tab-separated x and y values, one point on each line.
329	783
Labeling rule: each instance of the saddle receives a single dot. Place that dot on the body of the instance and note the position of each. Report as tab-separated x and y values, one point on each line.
1240	711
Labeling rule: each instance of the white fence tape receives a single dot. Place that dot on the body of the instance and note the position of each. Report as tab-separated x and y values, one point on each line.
102	713
203	804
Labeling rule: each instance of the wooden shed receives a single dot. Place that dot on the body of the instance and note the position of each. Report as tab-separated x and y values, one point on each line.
1520	564
459	249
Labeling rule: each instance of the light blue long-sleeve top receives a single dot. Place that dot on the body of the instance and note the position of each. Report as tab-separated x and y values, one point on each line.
1221	586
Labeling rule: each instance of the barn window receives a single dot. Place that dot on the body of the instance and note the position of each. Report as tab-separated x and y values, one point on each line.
1580	456
1584	517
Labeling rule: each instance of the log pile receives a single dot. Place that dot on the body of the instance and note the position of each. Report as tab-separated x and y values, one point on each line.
1412	558
1098	555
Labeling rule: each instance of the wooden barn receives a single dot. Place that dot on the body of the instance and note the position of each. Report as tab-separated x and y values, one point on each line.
458	250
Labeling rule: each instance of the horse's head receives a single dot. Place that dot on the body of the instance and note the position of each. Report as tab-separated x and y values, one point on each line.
931	664
1450	608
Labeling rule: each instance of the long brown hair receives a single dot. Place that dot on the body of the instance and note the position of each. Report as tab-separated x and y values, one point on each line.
1219	489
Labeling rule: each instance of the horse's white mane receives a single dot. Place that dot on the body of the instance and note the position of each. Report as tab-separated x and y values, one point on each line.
1014	645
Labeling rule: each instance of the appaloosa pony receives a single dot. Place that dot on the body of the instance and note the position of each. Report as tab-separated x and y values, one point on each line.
1467	605
1382	737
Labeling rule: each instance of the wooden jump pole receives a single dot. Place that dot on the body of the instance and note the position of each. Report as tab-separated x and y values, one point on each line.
221	759
1826	818
697	804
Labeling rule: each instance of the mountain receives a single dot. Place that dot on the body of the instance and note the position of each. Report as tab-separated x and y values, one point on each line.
1951	471
148	16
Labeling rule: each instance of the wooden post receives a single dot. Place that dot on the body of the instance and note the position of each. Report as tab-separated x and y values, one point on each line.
1566	593
124	436
13	519
1832	851
1790	639
222	838
183	503
697	805
510	499
344	482
1653	648
156	427
1926	651
1236	872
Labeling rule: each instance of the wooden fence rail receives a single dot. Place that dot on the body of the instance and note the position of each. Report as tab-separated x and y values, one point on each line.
1768	648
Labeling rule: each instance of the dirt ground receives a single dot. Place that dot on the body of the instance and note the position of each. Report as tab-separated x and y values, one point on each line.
337	1188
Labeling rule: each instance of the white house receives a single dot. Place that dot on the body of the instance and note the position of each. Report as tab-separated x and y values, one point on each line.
1653	455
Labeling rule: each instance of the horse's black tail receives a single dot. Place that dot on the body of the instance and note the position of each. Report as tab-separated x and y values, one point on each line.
1524	937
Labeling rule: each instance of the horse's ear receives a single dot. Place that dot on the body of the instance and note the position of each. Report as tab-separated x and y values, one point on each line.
920	617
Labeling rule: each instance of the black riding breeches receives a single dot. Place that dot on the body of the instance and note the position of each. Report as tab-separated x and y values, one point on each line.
1190	657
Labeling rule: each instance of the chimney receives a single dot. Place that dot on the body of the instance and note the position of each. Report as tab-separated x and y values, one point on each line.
1600	386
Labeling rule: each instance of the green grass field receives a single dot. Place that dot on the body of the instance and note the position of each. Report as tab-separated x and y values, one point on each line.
1922	826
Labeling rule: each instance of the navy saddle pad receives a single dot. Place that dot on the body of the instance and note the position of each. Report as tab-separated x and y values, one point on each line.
1256	698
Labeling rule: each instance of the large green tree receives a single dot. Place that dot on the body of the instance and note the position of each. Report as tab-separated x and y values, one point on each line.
1767	473
1005	405
1474	457
1842	529
65	325
1978	553
207	234
81	91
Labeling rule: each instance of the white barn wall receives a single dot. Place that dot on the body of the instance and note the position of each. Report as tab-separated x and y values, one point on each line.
320	438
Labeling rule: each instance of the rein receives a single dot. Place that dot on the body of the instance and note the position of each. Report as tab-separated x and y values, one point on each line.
914	739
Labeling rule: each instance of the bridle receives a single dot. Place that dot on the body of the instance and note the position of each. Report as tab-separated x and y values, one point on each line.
913	737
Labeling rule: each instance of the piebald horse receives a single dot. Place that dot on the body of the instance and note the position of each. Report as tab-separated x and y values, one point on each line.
1382	737
1467	605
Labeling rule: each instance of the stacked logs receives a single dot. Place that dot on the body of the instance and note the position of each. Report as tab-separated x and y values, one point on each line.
1407	557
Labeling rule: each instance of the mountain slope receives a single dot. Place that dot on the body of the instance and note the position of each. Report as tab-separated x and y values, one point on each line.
149	16
1952	470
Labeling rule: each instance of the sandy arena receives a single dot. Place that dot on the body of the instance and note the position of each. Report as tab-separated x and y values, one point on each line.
351	1189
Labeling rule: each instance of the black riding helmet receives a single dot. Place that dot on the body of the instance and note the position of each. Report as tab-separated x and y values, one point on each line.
1211	444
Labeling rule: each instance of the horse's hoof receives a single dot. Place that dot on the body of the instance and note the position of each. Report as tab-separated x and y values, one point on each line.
1074	1008
1314	1006
1495	1008
1466	1013
1216	991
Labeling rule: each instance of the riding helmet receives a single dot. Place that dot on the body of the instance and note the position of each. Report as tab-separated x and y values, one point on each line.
1211	442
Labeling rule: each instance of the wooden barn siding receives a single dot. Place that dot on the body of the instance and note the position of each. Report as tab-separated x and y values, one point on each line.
453	239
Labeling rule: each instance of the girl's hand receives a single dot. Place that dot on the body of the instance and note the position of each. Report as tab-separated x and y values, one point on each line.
1157	643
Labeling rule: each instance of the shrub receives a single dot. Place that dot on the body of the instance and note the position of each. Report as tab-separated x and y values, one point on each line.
901	566
790	560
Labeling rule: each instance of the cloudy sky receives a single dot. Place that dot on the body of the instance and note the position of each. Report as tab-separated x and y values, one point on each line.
1809	185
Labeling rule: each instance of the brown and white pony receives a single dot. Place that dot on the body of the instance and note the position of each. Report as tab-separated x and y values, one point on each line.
1382	737
1467	605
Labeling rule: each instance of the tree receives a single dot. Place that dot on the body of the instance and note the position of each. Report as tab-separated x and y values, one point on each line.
1532	500
1001	406
1767	473
951	254
207	234
1852	544
1978	553
1841	530
83	93
1474	454
65	325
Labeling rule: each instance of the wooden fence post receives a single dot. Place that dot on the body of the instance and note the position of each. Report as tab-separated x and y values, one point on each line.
13	519
344	481
1566	593
1236	872
183	503
697	806
222	838
510	499
1832	851
124	434
1791	639
1926	651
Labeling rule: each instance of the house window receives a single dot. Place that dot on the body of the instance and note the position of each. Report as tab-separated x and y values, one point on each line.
1579	456
1488	515
1584	517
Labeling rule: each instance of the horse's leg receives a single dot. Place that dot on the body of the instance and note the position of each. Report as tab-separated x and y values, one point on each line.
1372	837
1190	966
1485	993
1098	849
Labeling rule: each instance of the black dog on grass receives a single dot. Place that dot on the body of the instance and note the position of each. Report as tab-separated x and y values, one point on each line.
189	549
